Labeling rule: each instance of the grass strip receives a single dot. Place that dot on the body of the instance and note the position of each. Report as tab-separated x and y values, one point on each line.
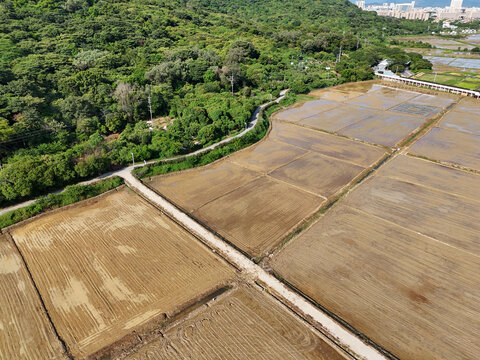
72	194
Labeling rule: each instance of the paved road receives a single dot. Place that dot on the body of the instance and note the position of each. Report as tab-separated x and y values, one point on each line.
248	128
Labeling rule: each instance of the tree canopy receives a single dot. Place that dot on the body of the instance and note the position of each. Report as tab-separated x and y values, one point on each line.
79	78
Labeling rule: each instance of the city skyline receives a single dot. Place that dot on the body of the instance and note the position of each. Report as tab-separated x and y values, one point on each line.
425	3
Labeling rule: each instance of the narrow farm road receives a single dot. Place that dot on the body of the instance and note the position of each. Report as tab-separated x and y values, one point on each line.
250	126
348	340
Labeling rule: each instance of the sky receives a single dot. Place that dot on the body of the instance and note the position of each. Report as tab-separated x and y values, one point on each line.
425	3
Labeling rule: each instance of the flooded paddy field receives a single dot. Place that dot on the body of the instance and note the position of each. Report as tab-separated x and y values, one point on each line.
114	264
241	324
379	115
456	139
25	331
398	260
440	42
383	130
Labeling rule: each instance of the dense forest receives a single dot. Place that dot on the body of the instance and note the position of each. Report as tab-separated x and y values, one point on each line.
80	78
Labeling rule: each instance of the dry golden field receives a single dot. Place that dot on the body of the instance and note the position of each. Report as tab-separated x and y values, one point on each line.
114	264
243	324
255	216
25	332
398	259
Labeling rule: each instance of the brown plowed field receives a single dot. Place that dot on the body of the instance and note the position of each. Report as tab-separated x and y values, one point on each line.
267	156
423	209
192	189
462	121
426	173
387	129
338	118
301	168
309	172
25	332
256	216
398	259
451	146
469	105
244	324
326	144
113	264
414	296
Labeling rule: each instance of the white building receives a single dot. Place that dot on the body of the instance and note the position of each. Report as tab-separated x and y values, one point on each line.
360	4
456	4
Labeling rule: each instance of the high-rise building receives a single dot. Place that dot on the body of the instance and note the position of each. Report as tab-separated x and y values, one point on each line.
360	4
456	4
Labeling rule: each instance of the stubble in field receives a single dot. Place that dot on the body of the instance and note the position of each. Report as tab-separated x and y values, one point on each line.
398	260
25	332
255	216
245	324
114	264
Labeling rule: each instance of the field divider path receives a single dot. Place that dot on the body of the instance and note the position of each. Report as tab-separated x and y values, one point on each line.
249	127
334	330
62	341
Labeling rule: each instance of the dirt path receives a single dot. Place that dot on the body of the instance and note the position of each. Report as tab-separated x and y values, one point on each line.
249	127
348	340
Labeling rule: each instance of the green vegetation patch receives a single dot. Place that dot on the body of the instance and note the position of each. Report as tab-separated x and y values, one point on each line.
72	194
468	85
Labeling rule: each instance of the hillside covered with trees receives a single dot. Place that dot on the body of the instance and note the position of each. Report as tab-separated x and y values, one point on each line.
79	78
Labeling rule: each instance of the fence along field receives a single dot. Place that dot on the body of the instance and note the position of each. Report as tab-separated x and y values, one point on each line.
399	263
25	332
114	263
243	324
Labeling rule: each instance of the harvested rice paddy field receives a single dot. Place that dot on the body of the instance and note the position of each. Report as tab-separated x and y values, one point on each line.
259	195
243	324
25	332
377	115
456	139
114	264
398	259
